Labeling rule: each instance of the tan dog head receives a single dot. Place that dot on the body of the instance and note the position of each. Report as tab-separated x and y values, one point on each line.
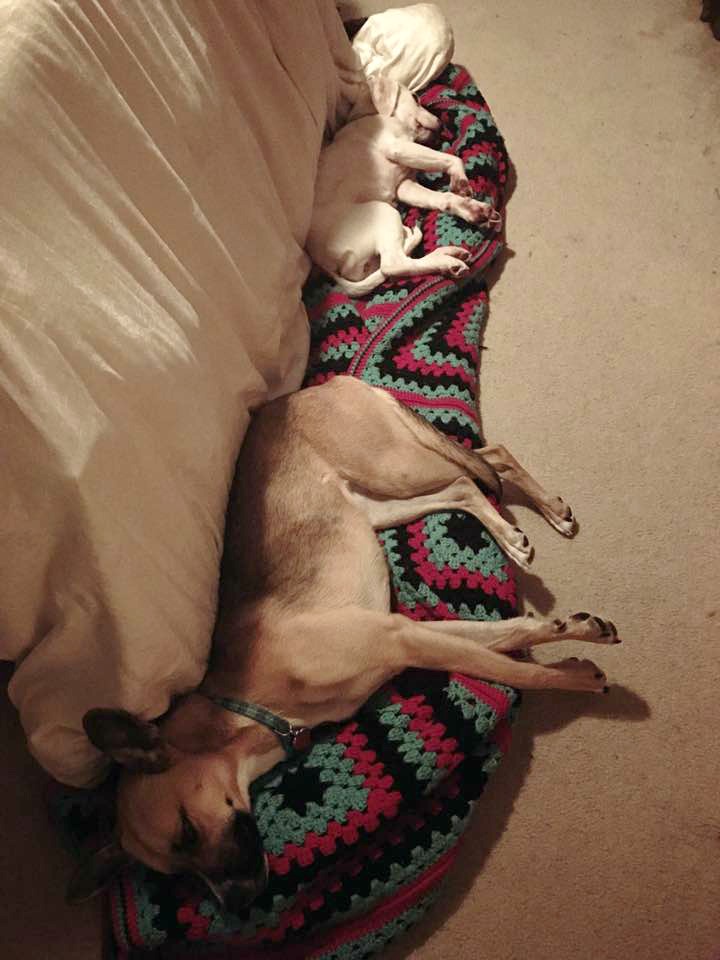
391	99
177	810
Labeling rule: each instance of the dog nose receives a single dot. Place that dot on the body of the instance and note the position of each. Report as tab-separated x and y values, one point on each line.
235	900
241	895
235	893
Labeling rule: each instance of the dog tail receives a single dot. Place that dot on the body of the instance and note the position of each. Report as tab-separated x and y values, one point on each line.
358	288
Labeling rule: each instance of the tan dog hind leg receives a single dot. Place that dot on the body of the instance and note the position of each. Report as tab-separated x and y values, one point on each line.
461	494
381	446
557	513
391	455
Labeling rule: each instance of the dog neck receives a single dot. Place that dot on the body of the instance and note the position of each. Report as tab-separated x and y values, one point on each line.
197	725
363	105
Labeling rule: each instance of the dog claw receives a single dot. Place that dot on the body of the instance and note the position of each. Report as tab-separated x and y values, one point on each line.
495	219
451	260
559	515
608	629
592	629
579	675
474	211
517	546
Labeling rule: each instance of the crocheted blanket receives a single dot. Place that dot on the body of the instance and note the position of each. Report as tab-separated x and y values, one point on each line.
361	829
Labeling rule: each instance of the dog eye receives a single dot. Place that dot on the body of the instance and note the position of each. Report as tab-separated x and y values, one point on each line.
189	837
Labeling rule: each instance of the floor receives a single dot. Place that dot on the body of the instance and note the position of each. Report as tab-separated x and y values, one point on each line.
599	836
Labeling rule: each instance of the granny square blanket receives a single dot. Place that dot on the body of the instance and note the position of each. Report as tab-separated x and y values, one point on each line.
361	829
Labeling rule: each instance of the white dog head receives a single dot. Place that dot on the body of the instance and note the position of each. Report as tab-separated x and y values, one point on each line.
391	99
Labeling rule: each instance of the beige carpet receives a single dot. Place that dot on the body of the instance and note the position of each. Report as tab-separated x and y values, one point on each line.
599	837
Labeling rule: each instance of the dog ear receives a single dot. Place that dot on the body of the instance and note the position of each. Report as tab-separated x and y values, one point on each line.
384	92
95	872
130	741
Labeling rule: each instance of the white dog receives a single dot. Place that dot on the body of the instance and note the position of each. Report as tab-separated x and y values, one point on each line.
356	234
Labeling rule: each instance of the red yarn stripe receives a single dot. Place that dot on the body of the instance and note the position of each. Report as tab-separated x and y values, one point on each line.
130	903
490	695
395	905
418	400
420	293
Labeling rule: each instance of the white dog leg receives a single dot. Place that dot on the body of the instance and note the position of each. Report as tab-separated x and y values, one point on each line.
473	211
450	261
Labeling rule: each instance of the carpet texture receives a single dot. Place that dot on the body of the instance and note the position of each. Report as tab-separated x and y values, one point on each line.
598	837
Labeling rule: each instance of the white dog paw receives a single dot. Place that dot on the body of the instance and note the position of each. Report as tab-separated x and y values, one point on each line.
451	260
460	253
475	211
459	184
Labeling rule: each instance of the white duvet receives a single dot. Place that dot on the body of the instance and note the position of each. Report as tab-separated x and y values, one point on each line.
157	162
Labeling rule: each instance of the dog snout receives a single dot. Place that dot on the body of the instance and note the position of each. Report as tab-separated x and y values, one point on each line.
241	871
428	120
234	895
425	126
241	894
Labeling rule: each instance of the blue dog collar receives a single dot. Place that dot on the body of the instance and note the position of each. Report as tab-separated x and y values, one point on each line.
294	740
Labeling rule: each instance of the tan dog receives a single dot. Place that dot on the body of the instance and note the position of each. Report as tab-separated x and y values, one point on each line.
356	234
304	626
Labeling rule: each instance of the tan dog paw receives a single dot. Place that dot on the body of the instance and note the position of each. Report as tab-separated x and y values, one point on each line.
584	626
560	516
583	676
